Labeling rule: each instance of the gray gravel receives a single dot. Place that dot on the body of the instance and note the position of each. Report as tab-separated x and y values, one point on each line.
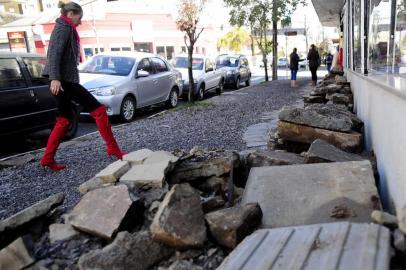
218	126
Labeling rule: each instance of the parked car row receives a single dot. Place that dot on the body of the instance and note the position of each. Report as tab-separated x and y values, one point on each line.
122	81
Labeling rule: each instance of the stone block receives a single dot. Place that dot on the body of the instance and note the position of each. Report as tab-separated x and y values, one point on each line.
92	184
18	255
351	142
18	224
179	222
137	157
61	232
309	116
313	193
128	251
322	151
114	171
341	246
231	225
146	175
161	157
100	212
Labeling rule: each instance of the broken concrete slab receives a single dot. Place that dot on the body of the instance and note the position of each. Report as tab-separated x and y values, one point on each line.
179	222
317	119
92	184
137	157
16	225
212	204
351	142
18	255
146	175
341	246
128	251
337	110
261	158
322	151
231	225
161	157
188	171
329	192
114	171
100	212
61	232
314	99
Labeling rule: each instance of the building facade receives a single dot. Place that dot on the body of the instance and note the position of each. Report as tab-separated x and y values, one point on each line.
374	42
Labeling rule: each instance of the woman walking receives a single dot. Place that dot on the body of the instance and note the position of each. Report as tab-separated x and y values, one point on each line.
314	62
61	69
294	67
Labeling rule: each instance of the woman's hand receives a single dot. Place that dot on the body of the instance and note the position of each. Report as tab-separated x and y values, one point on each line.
55	87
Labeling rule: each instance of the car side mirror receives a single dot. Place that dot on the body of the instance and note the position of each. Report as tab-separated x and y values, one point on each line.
209	69
142	74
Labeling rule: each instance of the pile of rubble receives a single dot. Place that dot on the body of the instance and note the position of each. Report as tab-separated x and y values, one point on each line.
327	115
151	209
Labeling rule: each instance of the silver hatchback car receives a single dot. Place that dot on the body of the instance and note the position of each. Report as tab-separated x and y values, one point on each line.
126	81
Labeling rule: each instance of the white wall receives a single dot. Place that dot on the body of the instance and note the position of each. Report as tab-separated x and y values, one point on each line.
381	103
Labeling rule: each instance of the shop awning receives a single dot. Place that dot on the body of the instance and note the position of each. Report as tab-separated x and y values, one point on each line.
328	11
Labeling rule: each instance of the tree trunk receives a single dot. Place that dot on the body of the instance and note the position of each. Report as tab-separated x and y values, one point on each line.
252	46
192	87
274	50
265	52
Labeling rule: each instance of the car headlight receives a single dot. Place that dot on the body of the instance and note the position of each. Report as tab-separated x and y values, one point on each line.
195	81
103	91
230	72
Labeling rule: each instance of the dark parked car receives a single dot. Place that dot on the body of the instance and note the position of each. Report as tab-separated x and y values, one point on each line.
26	104
237	68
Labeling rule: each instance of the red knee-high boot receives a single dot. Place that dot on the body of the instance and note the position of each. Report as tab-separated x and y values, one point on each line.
48	160
103	124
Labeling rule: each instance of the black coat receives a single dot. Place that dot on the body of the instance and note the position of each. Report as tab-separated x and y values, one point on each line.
63	54
314	59
294	61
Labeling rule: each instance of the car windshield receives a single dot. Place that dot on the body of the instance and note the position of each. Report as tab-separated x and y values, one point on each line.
182	62
112	65
227	61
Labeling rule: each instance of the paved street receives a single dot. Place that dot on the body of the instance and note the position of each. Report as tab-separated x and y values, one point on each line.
219	123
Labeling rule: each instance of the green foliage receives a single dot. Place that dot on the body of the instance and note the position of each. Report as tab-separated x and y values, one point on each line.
235	40
258	16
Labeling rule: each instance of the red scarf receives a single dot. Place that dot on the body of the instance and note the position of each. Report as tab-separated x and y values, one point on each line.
75	32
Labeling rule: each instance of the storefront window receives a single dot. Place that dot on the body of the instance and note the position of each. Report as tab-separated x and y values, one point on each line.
379	34
400	38
357	34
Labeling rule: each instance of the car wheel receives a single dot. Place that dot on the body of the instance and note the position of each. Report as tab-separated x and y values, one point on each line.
73	126
248	81
200	94
172	101
127	111
220	87
237	83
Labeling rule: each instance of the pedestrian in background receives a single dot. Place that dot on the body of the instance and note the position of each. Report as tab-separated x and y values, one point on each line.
294	67
329	61
61	69
314	62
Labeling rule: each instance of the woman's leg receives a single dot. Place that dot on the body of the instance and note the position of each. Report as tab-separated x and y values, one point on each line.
62	123
98	112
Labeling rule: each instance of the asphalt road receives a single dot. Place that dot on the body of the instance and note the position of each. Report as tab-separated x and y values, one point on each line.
19	145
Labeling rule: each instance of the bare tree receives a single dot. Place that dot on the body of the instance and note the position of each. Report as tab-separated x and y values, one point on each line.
189	12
